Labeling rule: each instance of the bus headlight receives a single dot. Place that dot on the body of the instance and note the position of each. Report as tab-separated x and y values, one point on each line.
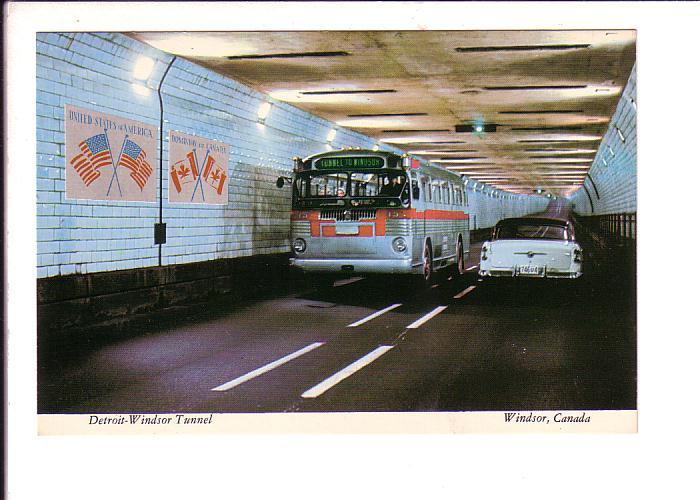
299	245
399	245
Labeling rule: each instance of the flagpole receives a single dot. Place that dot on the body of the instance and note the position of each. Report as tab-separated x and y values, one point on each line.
199	177
160	168
114	167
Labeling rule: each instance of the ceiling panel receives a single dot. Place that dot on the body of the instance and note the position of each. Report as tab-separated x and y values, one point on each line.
543	90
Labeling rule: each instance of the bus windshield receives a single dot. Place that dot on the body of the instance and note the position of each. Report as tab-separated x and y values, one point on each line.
360	188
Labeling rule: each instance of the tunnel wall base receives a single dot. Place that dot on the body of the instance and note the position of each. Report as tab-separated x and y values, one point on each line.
135	301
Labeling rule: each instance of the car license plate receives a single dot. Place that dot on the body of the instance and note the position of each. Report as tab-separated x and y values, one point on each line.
347	229
530	270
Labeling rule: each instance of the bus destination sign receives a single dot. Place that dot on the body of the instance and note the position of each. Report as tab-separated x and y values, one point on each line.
351	162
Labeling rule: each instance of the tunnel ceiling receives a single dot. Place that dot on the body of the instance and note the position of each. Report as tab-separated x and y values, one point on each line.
545	98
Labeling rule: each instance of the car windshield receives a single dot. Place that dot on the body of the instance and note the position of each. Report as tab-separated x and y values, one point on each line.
530	232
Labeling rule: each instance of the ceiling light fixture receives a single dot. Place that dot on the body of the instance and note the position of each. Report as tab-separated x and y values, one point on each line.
289	55
140	89
342	92
536	87
541	112
263	111
143	68
373	115
442	151
331	135
522	48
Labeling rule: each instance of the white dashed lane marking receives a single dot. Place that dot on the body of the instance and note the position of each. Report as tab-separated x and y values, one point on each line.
347	281
373	315
464	292
427	317
268	367
335	379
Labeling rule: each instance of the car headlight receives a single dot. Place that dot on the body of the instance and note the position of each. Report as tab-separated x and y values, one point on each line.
399	245
299	245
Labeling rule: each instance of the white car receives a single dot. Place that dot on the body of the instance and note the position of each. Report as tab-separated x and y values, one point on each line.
531	247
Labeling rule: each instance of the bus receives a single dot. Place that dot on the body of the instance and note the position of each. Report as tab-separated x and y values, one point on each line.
361	212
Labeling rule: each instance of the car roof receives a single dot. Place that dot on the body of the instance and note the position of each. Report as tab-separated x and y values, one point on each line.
546	221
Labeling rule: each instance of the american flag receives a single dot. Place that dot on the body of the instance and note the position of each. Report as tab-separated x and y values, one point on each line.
134	158
94	154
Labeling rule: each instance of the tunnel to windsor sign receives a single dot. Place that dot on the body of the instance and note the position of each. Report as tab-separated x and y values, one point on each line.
198	170
109	157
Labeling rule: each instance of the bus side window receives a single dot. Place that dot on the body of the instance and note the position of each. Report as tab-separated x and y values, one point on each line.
415	189
425	182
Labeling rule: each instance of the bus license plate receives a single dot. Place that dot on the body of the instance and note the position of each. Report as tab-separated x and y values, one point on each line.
347	229
530	270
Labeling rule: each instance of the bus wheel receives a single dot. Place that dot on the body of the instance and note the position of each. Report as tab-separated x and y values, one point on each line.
460	258
428	270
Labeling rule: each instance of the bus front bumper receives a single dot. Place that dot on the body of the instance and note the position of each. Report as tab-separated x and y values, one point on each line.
357	266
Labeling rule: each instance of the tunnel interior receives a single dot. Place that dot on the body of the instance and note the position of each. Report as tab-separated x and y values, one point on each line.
134	287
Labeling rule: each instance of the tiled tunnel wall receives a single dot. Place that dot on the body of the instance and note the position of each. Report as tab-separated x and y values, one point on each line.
611	187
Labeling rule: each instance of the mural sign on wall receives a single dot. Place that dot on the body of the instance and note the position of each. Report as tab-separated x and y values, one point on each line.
198	170
109	157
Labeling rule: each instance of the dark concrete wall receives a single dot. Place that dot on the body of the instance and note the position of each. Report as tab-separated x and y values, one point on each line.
132	301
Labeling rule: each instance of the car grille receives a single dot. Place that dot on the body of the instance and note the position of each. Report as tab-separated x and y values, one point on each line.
348	215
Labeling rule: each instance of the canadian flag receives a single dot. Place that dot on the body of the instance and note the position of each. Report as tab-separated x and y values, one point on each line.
183	173
214	175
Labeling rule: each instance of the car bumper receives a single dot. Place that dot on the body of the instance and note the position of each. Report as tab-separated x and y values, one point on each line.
357	266
548	273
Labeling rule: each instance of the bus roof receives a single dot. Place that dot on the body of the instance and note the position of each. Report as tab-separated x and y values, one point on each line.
350	152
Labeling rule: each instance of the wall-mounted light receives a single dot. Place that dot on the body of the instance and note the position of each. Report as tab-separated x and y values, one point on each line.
331	135
375	147
632	102
619	133
263	111
612	153
143	68
140	89
605	163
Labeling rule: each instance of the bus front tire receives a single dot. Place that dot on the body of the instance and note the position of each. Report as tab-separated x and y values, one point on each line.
459	267
428	275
